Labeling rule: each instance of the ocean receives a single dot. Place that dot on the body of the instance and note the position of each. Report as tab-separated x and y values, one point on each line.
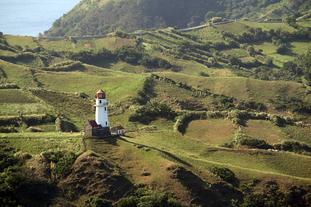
31	17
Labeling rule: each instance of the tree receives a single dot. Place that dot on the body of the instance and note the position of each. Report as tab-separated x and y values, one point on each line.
234	60
281	49
209	15
269	61
291	21
253	200
251	51
203	74
112	29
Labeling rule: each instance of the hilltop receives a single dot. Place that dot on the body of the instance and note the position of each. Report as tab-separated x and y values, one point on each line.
101	17
218	116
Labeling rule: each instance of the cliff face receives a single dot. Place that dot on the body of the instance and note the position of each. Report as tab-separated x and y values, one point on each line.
94	17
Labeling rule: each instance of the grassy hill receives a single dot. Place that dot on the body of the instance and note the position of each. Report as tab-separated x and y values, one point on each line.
101	17
209	119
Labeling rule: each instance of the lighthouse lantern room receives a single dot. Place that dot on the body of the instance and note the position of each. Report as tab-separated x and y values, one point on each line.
101	115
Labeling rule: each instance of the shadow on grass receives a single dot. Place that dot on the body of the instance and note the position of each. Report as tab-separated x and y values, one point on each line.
205	193
105	63
185	126
169	155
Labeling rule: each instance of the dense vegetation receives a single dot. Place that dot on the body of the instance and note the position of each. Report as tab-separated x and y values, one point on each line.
101	17
18	184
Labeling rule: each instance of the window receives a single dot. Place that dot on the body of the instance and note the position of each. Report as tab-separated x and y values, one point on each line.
105	109
106	123
100	95
100	103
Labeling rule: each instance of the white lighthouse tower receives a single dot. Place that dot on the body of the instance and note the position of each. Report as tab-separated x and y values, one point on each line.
101	115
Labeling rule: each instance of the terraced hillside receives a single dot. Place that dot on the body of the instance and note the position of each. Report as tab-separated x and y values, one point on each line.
213	117
102	16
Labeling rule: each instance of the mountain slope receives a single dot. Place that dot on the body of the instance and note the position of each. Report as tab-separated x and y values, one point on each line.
91	17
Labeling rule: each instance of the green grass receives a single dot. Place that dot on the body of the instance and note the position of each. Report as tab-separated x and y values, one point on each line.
122	119
208	33
295	48
215	131
304	24
77	110
21	41
268	26
91	44
241	88
132	159
236	52
264	130
35	143
7	53
297	133
67	45
7	109
185	150
14	96
118	86
17	74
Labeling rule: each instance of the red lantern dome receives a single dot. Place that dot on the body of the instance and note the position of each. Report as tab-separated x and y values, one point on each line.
101	94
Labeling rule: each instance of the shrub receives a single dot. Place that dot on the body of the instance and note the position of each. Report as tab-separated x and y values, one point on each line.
295	146
35	129
256	143
281	49
7	160
19	187
128	202
253	200
224	173
64	166
236	121
10	129
269	61
244	188
203	74
97	202
53	156
216	19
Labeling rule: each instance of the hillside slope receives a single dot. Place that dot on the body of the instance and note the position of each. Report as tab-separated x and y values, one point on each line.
213	117
99	17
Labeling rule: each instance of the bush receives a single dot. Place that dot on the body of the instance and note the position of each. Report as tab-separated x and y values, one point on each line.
281	49
253	200
64	166
128	202
255	143
224	173
295	146
97	202
203	74
19	187
7	160
236	121
216	19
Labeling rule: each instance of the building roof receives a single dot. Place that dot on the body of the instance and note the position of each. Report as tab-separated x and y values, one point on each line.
93	123
101	94
100	91
120	127
100	126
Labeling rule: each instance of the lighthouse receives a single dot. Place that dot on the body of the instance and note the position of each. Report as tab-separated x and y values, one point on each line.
101	114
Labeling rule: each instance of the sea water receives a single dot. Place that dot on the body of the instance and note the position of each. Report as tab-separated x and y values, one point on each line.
31	17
